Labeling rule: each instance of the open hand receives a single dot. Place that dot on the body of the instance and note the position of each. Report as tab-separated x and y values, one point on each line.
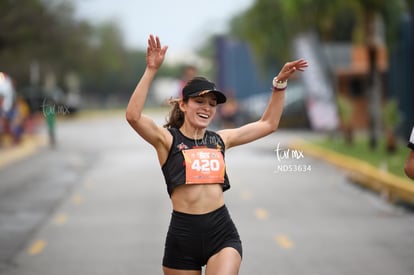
291	67
155	53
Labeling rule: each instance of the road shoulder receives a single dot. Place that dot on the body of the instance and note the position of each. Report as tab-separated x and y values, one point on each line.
391	187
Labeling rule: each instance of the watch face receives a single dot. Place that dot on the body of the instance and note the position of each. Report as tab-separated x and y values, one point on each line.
281	85
278	84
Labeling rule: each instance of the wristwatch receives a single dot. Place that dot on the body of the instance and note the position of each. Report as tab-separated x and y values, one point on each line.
278	84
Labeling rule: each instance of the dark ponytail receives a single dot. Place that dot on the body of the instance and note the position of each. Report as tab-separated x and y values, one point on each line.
175	117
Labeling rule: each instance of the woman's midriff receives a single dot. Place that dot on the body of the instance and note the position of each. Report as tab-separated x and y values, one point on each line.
197	199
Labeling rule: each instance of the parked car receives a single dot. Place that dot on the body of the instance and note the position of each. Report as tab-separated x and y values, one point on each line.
34	96
294	112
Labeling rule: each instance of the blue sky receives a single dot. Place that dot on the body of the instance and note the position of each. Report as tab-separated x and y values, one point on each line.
182	24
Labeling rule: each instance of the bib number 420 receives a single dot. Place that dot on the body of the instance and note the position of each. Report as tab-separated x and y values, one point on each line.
205	165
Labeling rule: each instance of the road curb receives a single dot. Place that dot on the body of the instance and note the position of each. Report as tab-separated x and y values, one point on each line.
393	188
29	146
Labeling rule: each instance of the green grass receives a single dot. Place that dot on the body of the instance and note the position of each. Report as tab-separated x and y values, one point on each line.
393	163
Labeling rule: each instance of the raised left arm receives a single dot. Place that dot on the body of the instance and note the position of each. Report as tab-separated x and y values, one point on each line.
269	121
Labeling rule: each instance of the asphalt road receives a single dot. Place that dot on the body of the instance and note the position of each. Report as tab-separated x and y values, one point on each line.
97	204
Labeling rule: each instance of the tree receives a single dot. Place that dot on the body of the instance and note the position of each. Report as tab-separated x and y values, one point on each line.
271	33
345	111
42	32
392	119
271	25
45	33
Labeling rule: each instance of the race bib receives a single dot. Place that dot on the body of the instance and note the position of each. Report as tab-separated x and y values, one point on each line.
203	166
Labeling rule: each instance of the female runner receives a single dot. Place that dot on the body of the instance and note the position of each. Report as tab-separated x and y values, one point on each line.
201	231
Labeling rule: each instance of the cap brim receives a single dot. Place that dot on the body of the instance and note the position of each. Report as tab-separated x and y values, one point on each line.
220	97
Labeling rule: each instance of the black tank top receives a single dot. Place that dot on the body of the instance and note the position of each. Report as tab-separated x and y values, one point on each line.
174	169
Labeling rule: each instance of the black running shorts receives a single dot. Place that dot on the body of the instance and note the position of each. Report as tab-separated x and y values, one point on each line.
193	239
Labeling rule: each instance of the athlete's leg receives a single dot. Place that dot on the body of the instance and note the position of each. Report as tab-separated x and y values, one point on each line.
170	271
226	262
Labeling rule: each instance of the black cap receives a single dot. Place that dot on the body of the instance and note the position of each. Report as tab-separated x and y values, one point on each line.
199	86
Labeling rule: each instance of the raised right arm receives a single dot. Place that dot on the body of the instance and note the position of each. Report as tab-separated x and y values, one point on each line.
144	125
